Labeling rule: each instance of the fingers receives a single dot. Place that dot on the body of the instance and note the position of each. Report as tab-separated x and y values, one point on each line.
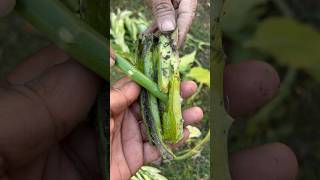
121	82
164	14
82	148
68	90
186	13
132	143
267	162
192	115
152	28
185	137
44	110
122	97
188	88
6	6
248	86
151	153
36	64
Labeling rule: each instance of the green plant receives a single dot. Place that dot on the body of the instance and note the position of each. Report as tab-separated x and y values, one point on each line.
82	34
187	65
221	119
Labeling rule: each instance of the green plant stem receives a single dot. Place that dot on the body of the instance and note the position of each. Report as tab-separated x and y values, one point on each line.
140	78
221	122
68	32
195	150
76	38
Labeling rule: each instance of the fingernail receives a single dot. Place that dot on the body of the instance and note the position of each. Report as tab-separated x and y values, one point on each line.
167	25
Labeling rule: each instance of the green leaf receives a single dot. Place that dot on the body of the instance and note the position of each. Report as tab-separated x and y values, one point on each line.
131	28
148	173
134	178
118	28
290	42
200	75
150	169
186	61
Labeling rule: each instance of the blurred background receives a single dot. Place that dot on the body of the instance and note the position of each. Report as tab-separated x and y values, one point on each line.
284	33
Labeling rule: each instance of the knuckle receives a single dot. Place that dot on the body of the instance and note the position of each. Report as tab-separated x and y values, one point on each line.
123	98
163	8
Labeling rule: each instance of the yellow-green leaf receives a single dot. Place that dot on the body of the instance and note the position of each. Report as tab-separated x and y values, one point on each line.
290	42
194	132
200	75
186	61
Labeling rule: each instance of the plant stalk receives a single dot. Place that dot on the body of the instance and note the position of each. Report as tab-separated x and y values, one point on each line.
68	32
78	39
221	120
195	150
140	78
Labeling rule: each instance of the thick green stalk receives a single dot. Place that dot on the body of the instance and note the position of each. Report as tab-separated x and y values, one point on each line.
221	120
77	39
68	32
140	78
148	102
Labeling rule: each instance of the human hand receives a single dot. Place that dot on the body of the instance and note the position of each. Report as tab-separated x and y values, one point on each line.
36	144
248	86
44	132
6	6
170	14
129	147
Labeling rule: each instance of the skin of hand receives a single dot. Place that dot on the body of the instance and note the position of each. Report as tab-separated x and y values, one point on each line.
170	14
128	136
45	132
129	147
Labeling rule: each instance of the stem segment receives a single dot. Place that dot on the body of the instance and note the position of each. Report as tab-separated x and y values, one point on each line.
140	78
221	120
68	32
78	39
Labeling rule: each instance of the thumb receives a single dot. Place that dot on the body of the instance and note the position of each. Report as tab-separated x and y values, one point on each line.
6	6
164	13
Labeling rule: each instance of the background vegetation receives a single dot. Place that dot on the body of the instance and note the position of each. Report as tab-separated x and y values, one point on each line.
198	167
285	34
